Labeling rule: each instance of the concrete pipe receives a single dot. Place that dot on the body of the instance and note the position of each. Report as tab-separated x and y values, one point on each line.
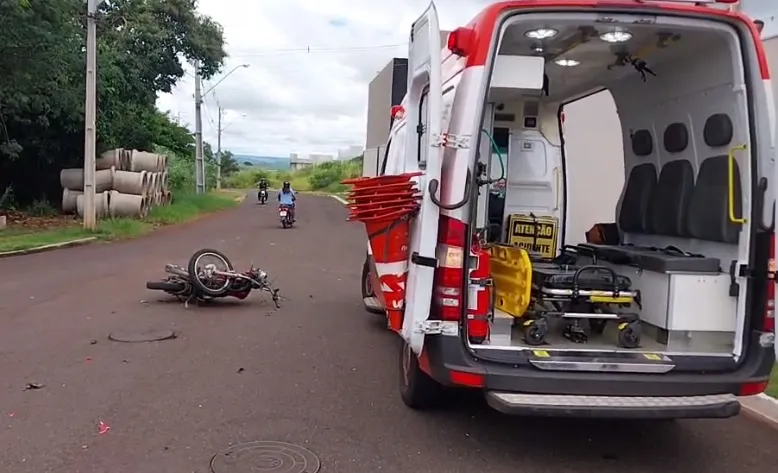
158	181
128	205
165	181
143	161
167	197
102	204
69	200
73	179
109	158
164	163
128	182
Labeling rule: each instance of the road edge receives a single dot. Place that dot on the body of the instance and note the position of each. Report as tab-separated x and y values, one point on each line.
761	408
339	199
51	247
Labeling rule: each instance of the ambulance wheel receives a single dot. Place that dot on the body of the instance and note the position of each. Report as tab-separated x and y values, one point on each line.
629	335
367	289
535	332
417	389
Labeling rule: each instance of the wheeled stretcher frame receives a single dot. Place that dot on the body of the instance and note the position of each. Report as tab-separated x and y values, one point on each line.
559	289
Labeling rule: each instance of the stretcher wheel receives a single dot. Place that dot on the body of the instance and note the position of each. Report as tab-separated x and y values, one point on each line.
535	332
629	335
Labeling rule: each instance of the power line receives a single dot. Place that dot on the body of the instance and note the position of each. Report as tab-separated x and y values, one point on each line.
308	50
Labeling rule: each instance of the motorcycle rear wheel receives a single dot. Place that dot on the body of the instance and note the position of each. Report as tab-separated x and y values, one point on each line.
201	287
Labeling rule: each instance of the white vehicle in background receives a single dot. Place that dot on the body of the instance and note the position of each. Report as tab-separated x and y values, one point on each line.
695	220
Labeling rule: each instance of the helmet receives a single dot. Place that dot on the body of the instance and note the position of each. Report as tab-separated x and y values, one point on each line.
287	185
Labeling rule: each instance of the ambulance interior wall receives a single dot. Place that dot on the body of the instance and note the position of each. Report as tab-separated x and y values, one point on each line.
594	157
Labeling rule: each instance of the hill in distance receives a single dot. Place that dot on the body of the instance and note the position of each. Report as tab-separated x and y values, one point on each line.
265	162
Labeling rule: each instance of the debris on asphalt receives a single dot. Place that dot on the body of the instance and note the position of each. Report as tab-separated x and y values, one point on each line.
31	386
103	428
11	414
241	370
88	358
93	342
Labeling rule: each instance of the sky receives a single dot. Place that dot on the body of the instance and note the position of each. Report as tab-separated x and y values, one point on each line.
290	99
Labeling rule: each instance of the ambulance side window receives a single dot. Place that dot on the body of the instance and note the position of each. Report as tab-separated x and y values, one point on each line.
423	130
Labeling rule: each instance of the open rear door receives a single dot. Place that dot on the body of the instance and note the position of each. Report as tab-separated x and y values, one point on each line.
424	153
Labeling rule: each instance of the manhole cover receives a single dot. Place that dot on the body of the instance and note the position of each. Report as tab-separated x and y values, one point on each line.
280	457
142	336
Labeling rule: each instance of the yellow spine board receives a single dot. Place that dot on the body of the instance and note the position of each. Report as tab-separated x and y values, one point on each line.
512	276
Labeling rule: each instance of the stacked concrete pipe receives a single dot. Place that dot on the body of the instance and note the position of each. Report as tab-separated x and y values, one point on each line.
133	182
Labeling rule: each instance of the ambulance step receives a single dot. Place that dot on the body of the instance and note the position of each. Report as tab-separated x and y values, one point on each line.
592	361
671	407
372	304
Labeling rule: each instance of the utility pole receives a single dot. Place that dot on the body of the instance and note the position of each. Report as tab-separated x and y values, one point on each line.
90	112
219	149
199	162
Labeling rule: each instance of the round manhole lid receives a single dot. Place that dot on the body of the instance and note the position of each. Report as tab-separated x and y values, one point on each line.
151	335
265	456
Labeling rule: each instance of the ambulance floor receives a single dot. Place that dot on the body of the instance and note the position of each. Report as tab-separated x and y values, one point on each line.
507	333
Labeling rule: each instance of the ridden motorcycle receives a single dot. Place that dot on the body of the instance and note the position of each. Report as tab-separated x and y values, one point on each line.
210	275
262	196
286	215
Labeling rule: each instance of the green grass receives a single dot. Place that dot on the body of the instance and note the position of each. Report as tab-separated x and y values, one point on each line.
772	388
185	207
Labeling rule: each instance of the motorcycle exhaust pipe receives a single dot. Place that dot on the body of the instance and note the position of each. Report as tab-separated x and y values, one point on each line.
176	270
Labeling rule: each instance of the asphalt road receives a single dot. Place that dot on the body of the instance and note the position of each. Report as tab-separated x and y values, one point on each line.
319	373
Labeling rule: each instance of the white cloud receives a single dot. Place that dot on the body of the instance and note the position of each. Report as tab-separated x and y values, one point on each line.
289	99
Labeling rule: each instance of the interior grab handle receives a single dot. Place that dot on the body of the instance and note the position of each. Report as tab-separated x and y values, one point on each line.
731	184
433	188
558	189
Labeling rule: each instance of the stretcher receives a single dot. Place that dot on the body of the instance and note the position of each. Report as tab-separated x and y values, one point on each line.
587	297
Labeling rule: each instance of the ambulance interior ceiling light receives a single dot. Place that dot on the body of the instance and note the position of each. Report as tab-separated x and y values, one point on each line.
541	33
617	36
567	62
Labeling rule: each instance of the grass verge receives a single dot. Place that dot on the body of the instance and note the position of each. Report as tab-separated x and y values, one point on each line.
185	207
772	388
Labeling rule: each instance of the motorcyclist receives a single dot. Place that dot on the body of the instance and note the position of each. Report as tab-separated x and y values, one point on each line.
262	184
286	196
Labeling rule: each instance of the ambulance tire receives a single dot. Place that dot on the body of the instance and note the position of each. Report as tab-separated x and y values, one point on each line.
417	389
367	290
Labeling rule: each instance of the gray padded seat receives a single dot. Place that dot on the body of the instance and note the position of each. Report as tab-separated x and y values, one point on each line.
655	260
709	203
633	214
669	207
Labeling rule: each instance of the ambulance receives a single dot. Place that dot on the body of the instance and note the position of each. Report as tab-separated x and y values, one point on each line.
663	310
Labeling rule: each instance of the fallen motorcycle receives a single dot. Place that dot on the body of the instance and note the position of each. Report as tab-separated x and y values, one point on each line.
210	275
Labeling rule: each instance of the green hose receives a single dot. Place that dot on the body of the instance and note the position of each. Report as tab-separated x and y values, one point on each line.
496	149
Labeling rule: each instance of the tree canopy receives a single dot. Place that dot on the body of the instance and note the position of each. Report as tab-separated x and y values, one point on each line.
142	46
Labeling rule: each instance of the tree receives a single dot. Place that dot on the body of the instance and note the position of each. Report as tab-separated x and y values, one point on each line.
229	163
248	163
141	46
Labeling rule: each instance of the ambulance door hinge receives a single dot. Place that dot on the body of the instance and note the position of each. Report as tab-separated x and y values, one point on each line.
438	327
449	140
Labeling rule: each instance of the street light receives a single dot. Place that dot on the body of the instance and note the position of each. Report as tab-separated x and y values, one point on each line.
199	161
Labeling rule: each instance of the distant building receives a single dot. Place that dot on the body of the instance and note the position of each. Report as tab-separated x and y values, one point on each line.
297	162
319	158
350	152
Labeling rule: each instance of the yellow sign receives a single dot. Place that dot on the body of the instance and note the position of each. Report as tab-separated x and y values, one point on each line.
535	235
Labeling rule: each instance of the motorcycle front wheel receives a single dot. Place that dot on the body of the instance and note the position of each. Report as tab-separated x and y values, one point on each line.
200	265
